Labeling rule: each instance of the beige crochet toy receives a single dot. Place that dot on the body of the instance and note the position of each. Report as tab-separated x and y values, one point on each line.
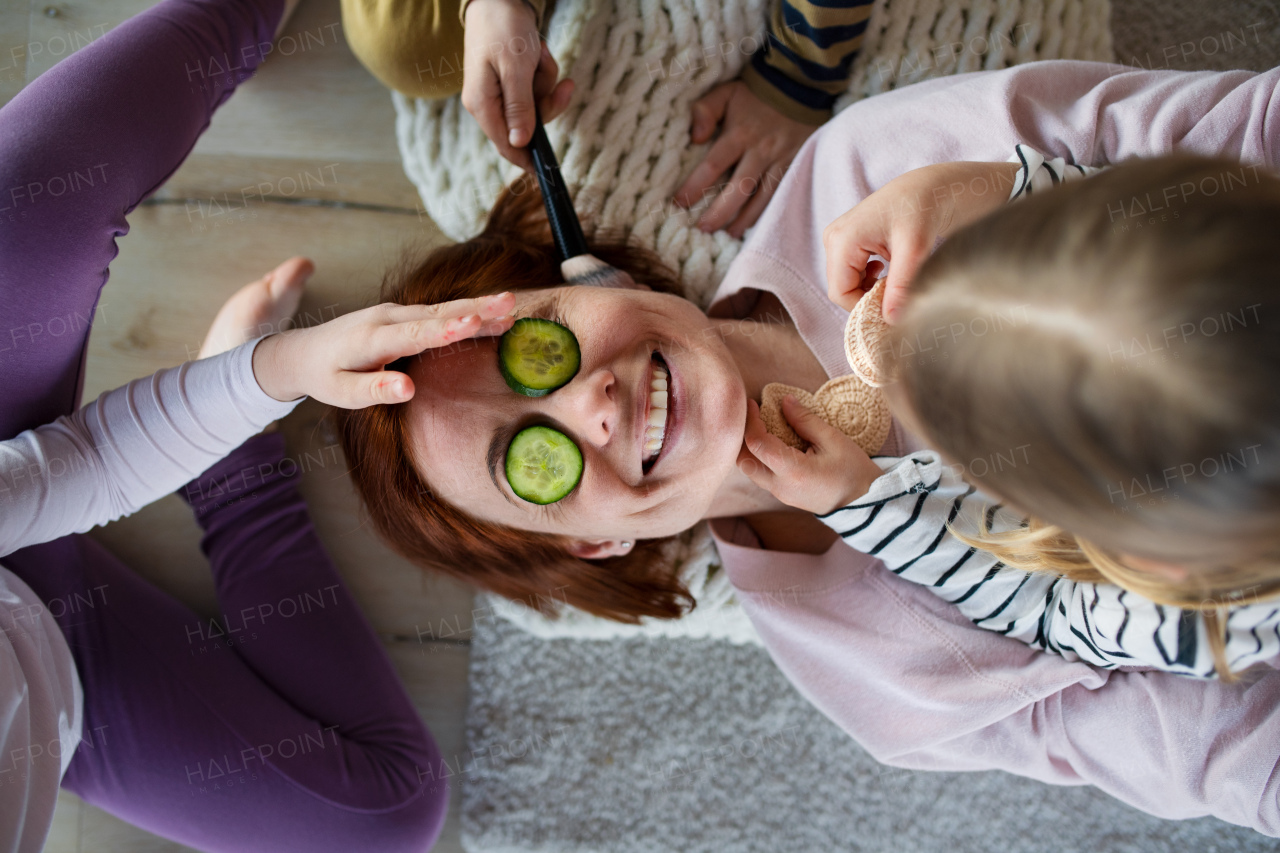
855	405
864	336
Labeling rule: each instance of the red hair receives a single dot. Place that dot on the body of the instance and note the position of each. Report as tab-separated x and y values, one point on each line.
514	252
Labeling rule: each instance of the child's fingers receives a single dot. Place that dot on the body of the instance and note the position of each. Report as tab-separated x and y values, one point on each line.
412	336
487	307
846	265
495	327
756	470
767	448
907	260
808	425
361	390
387	343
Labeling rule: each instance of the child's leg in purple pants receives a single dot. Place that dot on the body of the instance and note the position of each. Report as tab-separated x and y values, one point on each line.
282	726
79	148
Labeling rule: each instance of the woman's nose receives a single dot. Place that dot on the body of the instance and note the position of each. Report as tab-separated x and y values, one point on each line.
590	406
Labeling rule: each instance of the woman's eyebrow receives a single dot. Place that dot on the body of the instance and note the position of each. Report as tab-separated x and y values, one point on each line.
497	450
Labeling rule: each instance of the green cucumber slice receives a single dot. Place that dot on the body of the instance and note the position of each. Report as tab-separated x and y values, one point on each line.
538	356
543	464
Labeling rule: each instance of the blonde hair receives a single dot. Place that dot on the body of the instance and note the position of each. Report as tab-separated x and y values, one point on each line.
1120	333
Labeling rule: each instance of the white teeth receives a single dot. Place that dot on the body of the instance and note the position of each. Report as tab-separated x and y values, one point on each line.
656	424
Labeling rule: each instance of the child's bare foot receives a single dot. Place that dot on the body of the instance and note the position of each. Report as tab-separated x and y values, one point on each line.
260	308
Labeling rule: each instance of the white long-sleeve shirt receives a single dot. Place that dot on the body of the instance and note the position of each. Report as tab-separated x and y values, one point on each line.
903	521
119	453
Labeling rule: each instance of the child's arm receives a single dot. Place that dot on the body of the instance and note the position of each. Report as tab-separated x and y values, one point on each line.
1036	173
904	515
807	56
139	442
907	517
905	219
787	89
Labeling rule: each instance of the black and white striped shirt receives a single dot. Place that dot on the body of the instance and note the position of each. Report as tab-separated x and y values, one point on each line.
903	521
1037	174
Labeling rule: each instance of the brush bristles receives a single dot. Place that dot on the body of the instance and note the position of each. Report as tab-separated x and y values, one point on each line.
590	271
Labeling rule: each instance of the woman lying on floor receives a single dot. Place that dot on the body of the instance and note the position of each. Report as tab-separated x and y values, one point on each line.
302	739
903	672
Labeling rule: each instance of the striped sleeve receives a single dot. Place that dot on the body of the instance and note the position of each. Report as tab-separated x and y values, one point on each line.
807	56
906	519
1036	174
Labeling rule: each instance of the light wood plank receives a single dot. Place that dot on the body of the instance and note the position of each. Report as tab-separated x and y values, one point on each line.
311	99
435	674
61	27
64	834
15	31
206	177
311	109
101	832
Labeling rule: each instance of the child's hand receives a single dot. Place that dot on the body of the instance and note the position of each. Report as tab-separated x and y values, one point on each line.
756	145
902	221
343	362
832	473
508	70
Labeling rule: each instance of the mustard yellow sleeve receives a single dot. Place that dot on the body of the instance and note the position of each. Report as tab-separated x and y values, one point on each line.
808	56
539	8
412	46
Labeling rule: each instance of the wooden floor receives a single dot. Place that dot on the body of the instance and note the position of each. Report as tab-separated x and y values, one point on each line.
313	135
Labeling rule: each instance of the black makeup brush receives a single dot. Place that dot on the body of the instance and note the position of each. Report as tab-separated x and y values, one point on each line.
577	265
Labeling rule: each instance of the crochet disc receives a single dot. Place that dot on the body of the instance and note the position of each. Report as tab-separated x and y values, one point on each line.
865	335
846	402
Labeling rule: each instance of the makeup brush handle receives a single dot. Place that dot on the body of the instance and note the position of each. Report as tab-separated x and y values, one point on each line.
565	227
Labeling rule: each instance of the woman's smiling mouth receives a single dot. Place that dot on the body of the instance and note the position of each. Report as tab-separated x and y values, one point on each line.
656	412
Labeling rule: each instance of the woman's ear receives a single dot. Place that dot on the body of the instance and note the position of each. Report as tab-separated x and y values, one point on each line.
598	549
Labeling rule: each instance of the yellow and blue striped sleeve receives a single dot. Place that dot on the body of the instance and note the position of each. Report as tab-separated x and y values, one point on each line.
808	53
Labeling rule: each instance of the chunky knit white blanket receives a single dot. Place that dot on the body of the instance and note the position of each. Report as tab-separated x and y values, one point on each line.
624	149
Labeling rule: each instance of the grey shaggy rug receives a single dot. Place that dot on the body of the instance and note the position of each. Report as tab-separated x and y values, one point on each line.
700	746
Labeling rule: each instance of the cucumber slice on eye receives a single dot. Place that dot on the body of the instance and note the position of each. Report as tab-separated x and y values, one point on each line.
538	356
543	464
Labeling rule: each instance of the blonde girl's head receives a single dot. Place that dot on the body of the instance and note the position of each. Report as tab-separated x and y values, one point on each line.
1105	357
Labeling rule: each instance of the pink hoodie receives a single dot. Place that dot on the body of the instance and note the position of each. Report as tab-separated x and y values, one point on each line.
902	672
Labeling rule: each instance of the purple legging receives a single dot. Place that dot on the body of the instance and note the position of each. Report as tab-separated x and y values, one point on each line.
280	726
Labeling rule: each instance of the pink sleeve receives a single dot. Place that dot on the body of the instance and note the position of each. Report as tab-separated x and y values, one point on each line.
919	686
1086	112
